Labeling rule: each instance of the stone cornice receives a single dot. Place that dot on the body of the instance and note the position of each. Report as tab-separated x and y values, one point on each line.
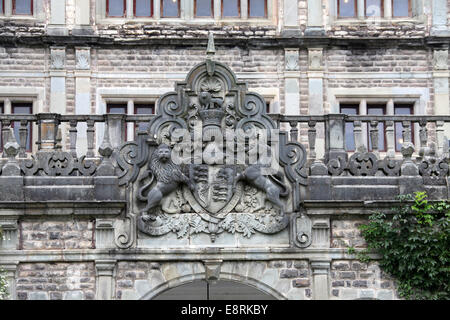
263	42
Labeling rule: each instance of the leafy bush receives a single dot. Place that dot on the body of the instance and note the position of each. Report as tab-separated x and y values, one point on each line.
3	286
414	244
3	282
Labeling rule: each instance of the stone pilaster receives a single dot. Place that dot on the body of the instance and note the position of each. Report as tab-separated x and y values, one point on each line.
315	19
320	271
292	82
315	103
57	25
439	18
291	23
10	268
441	92
105	272
82	93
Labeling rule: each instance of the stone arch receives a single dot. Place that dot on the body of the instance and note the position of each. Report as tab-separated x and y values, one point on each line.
186	279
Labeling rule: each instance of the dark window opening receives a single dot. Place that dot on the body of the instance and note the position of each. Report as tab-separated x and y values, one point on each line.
143	8
2	6
350	109
257	8
170	8
204	8
374	8
143	109
118	108
22	108
231	8
401	8
402	109
347	8
116	8
377	110
22	7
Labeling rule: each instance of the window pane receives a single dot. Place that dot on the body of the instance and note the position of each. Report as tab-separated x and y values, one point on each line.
143	8
117	108
349	133
22	6
230	8
377	110
144	109
22	108
1	6
203	8
170	8
116	8
347	8
399	110
373	8
257	8
400	8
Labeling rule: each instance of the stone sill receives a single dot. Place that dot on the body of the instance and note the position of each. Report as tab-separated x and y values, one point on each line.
384	22
188	22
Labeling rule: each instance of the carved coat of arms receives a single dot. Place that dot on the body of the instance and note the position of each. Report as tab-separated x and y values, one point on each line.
212	161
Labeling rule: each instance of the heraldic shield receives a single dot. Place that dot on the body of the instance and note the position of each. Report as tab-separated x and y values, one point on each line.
212	161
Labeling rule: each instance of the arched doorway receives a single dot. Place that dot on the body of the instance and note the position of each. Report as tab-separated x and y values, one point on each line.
217	290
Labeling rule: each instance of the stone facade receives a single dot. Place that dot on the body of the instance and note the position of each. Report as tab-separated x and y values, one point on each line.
302	59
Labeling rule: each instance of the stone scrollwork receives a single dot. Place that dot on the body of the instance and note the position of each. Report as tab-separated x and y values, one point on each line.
58	163
363	164
434	170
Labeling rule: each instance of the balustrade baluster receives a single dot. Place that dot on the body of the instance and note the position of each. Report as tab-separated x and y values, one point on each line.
312	133
440	137
423	135
73	137
23	134
294	130
374	137
390	139
90	138
6	124
406	132
359	142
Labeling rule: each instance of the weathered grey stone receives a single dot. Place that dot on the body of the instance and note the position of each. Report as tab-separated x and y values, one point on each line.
301	283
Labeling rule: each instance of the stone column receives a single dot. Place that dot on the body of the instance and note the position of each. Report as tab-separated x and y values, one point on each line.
292	82
82	18
82	93
57	25
291	23
105	279
441	90
315	103
58	80
10	268
315	19
320	271
439	27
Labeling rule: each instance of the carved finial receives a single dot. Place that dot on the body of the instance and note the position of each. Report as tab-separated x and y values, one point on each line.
210	50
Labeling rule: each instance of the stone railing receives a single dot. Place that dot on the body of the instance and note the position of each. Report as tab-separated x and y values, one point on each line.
427	158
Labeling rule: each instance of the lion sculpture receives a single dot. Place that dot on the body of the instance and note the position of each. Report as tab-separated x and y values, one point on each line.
168	177
272	185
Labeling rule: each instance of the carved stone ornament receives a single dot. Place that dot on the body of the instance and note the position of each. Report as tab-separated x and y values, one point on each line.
315	57
83	58
183	176
58	58
292	60
440	60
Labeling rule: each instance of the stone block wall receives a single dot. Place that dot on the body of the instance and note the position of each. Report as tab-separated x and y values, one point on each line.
49	235
55	281
351	279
